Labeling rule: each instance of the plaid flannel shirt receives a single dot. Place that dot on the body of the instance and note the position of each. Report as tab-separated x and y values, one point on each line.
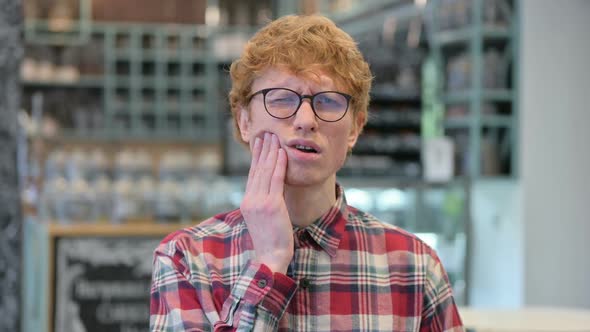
350	272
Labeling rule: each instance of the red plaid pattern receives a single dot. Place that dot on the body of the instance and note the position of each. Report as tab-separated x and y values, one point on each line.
350	272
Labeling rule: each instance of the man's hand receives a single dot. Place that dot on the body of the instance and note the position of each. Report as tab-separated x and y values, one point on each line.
263	206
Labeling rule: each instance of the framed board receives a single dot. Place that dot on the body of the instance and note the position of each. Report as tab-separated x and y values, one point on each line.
103	283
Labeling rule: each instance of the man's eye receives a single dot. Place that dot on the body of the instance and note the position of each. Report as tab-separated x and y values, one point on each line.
284	100
323	100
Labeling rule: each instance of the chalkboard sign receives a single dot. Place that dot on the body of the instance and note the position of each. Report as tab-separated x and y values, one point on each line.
103	283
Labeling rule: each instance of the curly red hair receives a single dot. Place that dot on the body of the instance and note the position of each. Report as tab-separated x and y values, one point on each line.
303	45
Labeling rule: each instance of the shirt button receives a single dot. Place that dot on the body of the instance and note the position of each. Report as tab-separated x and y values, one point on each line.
261	283
305	283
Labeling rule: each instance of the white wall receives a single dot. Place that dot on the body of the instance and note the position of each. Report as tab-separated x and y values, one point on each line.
555	151
497	255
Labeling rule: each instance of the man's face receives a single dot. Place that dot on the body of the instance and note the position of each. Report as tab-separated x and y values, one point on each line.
329	141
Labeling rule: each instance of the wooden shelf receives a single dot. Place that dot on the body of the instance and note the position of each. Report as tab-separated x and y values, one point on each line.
487	95
464	35
82	82
104	229
498	121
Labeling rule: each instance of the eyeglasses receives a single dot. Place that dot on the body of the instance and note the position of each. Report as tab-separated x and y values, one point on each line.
283	103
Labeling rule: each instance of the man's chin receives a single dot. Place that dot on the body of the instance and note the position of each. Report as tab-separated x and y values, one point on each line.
299	179
304	179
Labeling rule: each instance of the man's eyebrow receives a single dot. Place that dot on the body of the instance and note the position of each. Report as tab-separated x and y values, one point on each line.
296	83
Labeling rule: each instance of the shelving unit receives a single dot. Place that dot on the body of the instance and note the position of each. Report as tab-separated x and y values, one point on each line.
487	95
481	110
41	31
361	17
391	137
156	81
391	143
463	35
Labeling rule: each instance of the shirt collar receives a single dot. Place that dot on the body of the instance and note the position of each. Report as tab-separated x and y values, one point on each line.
328	229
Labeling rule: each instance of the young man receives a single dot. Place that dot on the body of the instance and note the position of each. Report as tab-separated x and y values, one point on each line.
295	256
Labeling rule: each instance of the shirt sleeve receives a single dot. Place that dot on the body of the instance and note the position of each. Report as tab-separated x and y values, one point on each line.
439	312
183	300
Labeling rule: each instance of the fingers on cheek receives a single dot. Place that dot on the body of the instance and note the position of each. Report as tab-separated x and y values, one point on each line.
262	133
275	141
281	159
266	137
255	144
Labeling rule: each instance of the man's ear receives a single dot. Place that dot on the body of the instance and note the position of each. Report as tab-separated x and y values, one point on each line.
357	126
244	123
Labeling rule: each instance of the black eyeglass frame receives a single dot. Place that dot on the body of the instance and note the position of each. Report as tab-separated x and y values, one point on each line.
301	97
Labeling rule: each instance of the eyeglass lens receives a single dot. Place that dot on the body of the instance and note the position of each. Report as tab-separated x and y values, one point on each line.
283	103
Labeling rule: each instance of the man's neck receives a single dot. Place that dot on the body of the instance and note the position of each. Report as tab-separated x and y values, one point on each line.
307	204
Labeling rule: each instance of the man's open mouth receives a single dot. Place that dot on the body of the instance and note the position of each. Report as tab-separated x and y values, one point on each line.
306	149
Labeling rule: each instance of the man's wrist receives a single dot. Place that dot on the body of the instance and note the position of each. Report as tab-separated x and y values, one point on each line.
278	267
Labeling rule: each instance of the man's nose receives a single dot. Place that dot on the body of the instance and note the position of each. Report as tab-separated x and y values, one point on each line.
305	118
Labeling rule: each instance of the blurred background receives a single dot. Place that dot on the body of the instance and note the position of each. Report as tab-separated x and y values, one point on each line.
116	131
